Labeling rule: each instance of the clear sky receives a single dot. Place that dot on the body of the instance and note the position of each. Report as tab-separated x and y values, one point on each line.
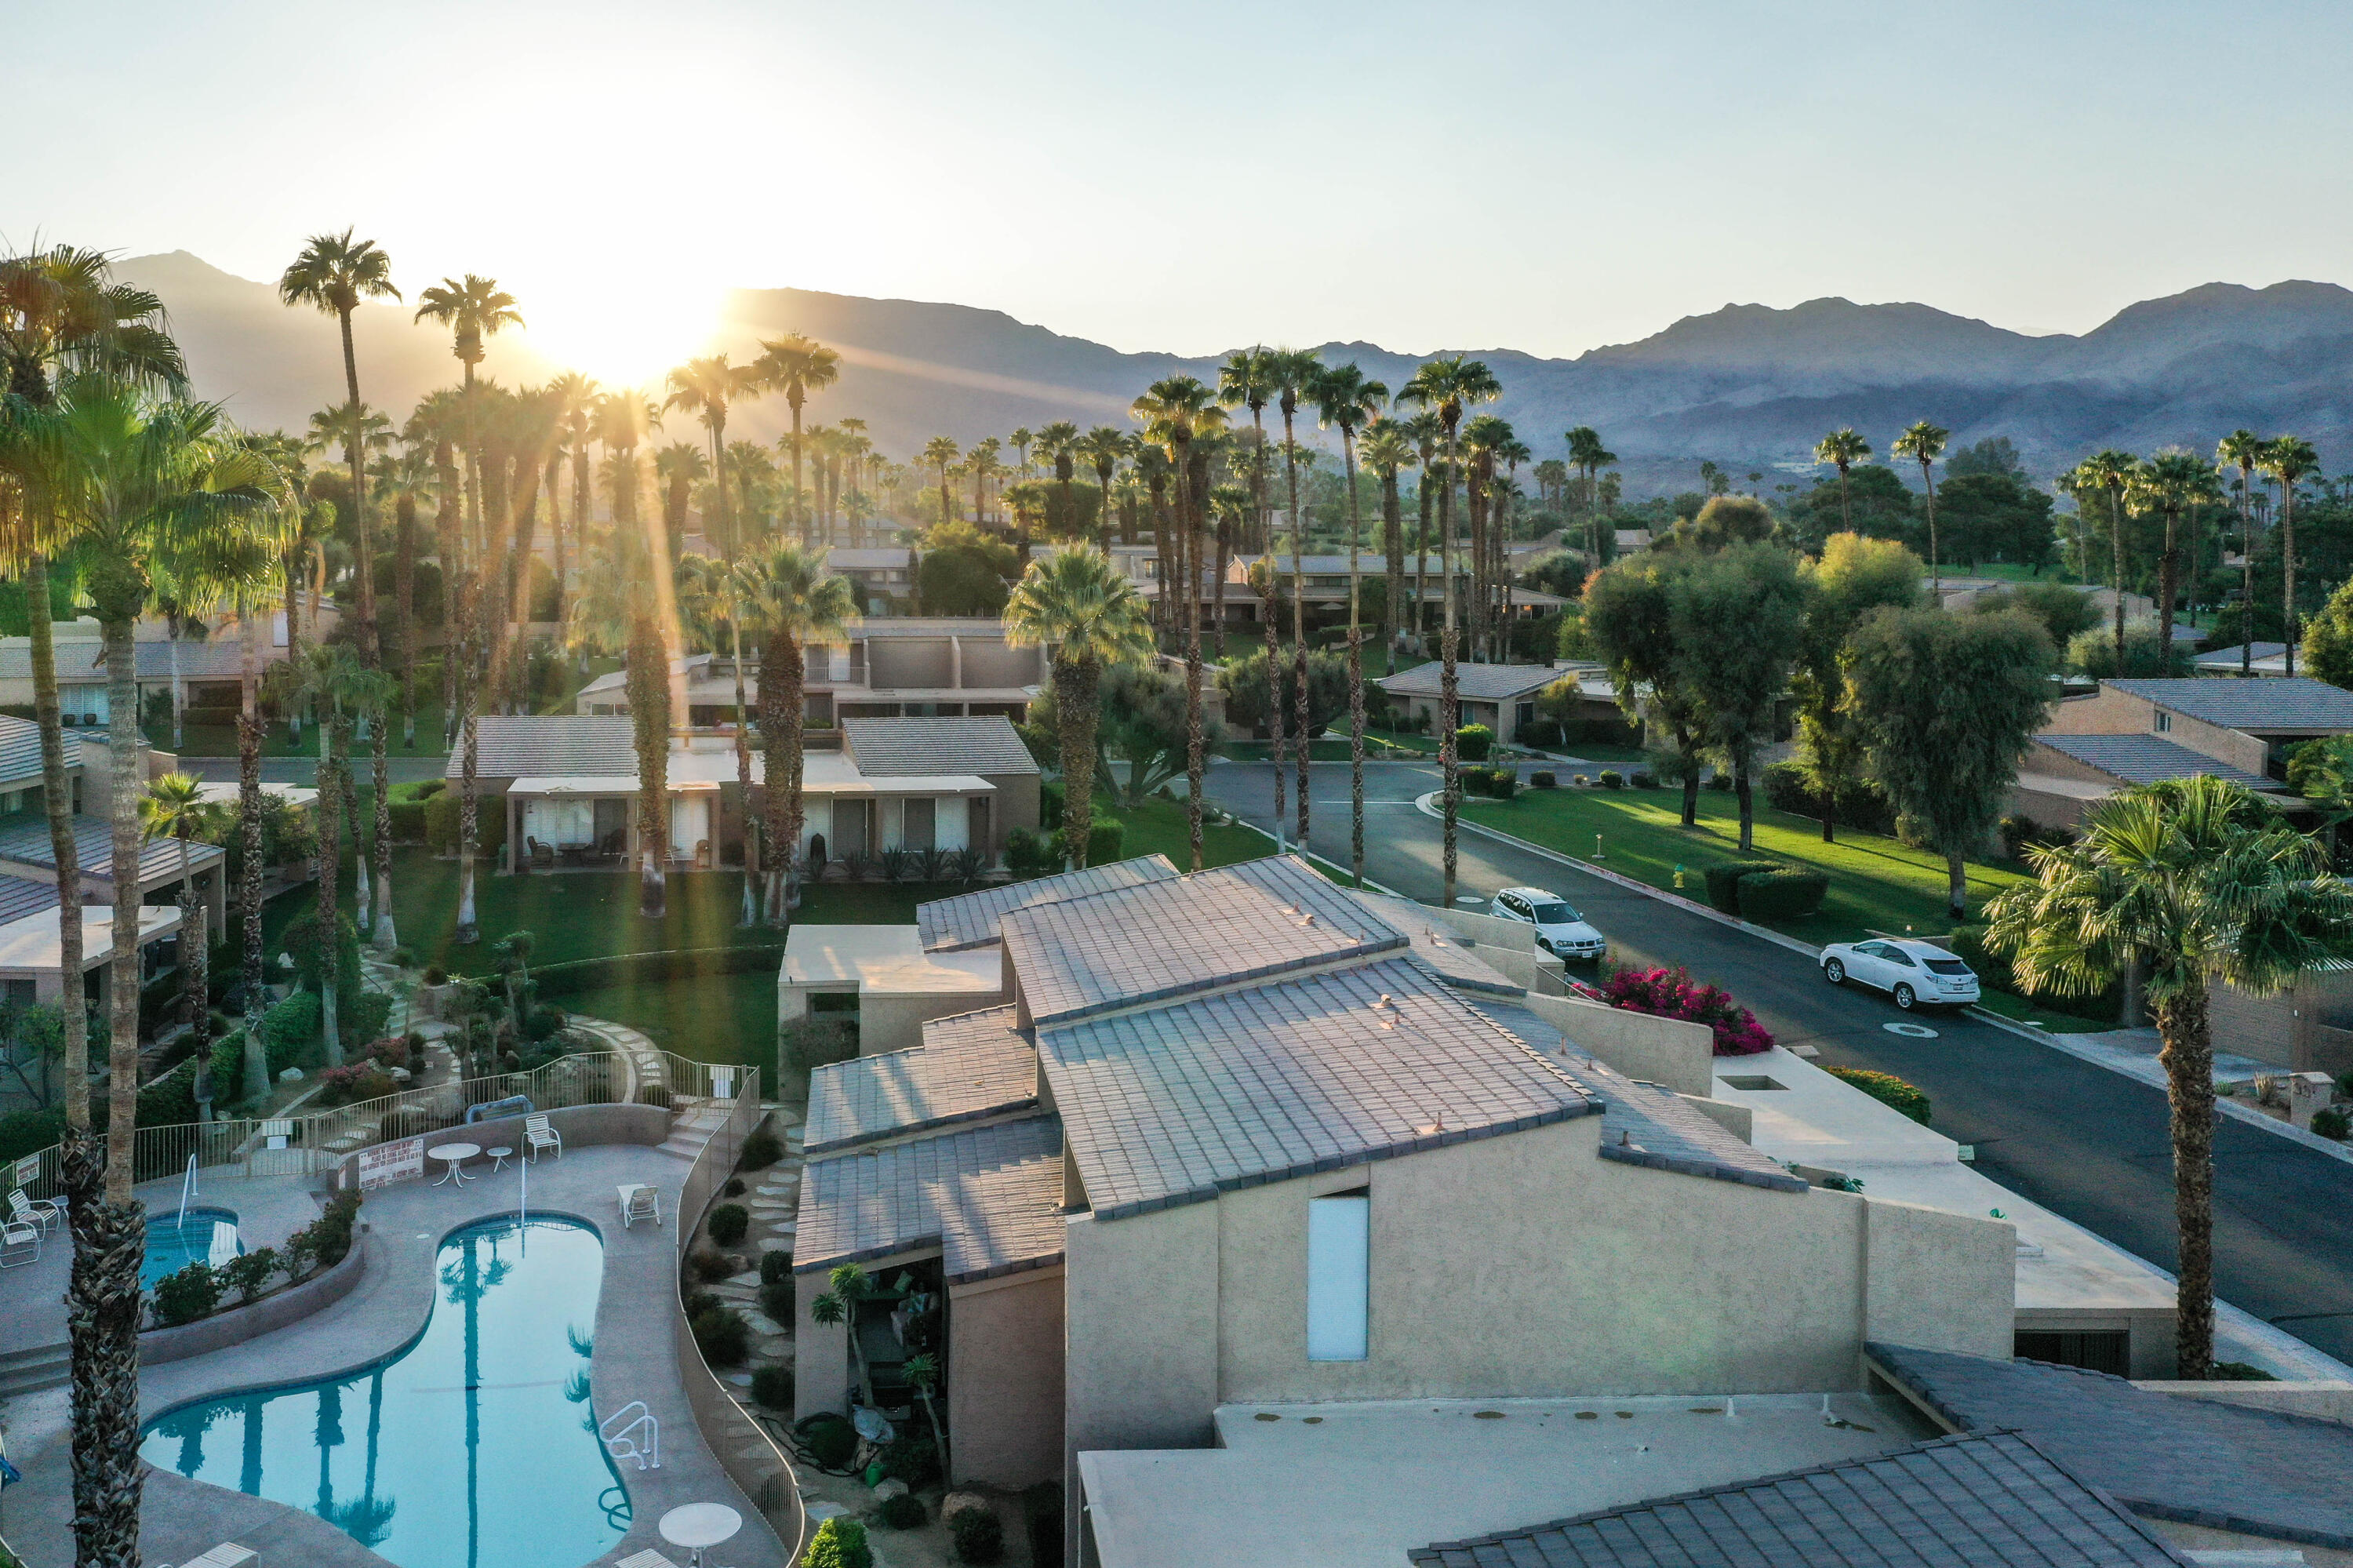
1545	177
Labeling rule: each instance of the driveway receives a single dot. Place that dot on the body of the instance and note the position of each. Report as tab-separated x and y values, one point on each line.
2083	1141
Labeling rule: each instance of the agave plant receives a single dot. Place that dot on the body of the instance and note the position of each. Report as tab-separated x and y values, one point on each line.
897	864
934	864
966	866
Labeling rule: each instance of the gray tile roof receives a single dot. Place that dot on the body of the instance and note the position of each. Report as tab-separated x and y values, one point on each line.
20	897
969	919
971	1065
1163	939
20	750
1990	1501
1437	950
526	746
2258	1472
990	1198
207	660
1482	683
914	747
2294	704
1173	1105
25	839
2146	758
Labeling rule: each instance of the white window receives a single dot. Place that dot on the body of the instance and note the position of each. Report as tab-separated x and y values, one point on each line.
1339	1277
2164	721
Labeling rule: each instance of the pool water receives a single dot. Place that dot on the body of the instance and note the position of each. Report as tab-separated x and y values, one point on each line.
474	1448
176	1240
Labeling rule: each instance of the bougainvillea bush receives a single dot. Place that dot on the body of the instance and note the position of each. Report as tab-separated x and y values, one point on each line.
1672	993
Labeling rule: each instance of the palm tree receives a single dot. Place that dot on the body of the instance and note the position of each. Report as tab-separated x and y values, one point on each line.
1444	387
1173	410
1590	457
795	603
333	273
1347	400
473	309
707	387
2111	471
575	396
678	469
410	481
2184	884
439	422
1924	443
712	596
939	453
1291	373
1248	380
2172	485
339	685
796	366
1076	603
1058	443
980	466
2243	449
252	600
174	808
1020	440
1105	446
1483	438
2288	460
1429	433
1385	449
1843	449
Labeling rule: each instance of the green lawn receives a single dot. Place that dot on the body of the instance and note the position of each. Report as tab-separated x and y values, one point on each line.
1159	827
1875	884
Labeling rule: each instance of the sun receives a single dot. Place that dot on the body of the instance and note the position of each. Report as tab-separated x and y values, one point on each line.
624	327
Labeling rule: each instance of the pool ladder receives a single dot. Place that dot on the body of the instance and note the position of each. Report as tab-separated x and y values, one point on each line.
629	1435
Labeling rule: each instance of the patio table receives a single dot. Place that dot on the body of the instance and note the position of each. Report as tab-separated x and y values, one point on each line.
456	1154
697	1525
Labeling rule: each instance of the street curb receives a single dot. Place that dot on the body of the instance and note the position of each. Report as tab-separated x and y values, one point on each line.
1287	848
2154	1079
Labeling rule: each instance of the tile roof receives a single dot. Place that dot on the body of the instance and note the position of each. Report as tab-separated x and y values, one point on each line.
2292	702
1482	683
2146	758
971	1065
2197	1461
1993	1501
25	839
1164	939
517	746
20	897
1438	950
1175	1104
990	1198
904	747
222	659
20	749
969	919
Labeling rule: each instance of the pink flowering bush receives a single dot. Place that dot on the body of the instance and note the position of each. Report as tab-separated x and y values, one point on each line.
1672	993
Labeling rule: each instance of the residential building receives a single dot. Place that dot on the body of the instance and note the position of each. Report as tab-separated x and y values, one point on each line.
1503	697
889	667
1243	1141
209	670
2262	659
883	574
567	785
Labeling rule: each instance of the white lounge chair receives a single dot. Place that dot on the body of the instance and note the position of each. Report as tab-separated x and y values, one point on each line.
19	1243
39	1212
649	1558
640	1200
228	1554
539	1133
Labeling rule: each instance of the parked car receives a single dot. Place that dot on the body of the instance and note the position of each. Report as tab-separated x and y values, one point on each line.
1917	974
1560	929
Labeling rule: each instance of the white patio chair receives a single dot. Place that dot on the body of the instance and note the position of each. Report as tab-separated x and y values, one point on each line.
539	1133
19	1243
41	1212
649	1558
640	1200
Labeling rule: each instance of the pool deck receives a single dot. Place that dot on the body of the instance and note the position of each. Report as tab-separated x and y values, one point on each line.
402	1228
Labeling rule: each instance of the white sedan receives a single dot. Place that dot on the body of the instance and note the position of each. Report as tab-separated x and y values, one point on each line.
1916	974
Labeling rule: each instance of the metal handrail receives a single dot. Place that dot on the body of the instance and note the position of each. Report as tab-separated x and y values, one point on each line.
620	1443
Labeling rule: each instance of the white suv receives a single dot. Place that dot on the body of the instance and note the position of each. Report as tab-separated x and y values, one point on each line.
1560	929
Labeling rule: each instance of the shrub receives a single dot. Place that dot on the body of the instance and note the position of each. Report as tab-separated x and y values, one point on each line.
776	1299
911	1458
1784	895
728	1222
904	1511
441	824
722	1335
977	1535
360	1081
772	1385
709	1263
775	1265
813	1042
655	1094
1613	779
1888	1090
1671	993
734	1188
1723	882
840	1542
1472	742
190	1294
435	975
248	1273
1645	780
331	1231
413	1120
1720	781
1543	778
407	821
1105	837
2330	1122
426	788
289	1032
1503	783
830	1440
761	1151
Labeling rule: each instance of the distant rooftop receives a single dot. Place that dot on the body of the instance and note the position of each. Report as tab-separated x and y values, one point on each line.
901	747
990	1198
512	746
969	1067
20	750
20	897
2294	704
25	839
2148	758
970	918
1481	682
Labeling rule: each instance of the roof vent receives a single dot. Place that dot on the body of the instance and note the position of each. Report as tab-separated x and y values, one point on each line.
1307	919
1432	1127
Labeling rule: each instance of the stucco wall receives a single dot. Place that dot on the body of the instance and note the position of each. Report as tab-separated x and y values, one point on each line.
896	1023
2111	712
1005	1388
1671	1051
821	1353
581	1127
1015	805
1931	1276
990	662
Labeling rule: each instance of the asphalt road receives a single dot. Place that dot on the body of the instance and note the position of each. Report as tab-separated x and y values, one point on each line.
2080	1141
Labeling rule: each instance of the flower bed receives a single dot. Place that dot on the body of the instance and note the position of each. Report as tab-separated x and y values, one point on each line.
1672	993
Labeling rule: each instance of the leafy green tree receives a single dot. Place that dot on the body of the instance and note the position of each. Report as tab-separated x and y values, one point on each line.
1947	706
2064	612
1855	577
1735	681
1629	617
2186	884
1249	704
1723	521
2328	640
1994	457
1075	602
1992	514
2092	655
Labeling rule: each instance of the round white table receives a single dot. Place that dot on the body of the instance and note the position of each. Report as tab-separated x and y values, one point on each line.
499	1158
456	1154
697	1525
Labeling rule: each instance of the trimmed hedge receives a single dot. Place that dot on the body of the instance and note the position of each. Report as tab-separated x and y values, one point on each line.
408	826
289	1032
441	823
1723	881
1784	895
1888	1090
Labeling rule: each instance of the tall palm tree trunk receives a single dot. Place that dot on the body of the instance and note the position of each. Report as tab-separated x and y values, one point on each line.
744	783
469	800
1356	671
2184	1023
1194	766
1421	569
780	691
2117	541
1270	616
329	813
1393	569
379	747
248	810
1076	683
2287	558
1450	688
1298	618
649	687
405	608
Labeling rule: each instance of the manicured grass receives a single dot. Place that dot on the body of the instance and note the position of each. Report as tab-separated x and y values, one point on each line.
718	1018
1159	827
220	740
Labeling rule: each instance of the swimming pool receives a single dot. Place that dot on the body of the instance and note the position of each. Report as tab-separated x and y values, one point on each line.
176	1240
473	1447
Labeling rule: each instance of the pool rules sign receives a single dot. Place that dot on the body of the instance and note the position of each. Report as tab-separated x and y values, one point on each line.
383	1164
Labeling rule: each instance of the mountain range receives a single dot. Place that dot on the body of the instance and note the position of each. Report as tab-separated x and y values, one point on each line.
1750	387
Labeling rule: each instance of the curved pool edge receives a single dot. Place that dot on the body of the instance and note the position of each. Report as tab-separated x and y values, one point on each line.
279	1310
